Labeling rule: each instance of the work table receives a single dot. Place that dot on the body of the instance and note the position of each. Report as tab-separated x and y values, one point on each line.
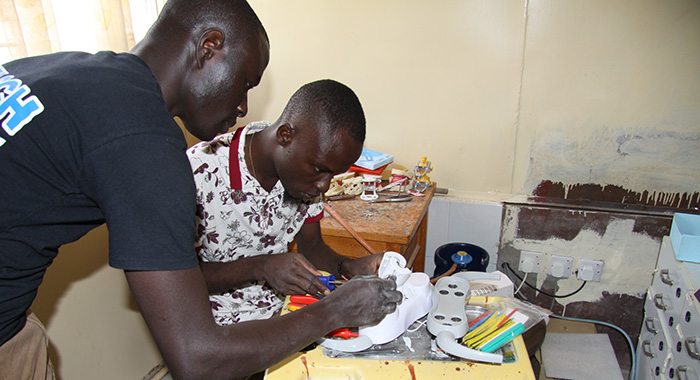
387	226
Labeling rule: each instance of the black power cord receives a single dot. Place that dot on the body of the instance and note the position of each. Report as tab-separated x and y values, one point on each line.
507	266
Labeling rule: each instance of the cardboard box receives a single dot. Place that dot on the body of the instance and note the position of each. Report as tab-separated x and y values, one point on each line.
685	237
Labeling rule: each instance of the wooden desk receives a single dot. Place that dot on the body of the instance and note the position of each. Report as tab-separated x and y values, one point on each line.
388	226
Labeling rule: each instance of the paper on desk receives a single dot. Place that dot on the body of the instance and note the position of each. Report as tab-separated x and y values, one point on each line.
579	357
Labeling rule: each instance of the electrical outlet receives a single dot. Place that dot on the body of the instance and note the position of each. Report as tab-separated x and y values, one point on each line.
530	261
590	270
560	266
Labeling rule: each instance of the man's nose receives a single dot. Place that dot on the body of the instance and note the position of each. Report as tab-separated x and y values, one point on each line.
243	106
324	183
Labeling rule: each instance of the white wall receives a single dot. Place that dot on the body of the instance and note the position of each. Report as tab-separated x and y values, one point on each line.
453	220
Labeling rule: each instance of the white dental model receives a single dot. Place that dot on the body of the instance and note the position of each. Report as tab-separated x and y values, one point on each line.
370	184
448	318
417	302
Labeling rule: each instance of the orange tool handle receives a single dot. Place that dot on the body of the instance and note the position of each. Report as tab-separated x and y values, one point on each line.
303	300
344	333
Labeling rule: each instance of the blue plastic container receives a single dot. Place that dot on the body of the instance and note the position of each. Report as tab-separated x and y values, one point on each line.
685	237
469	257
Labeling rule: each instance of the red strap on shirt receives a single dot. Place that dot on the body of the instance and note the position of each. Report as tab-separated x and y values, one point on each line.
234	169
314	219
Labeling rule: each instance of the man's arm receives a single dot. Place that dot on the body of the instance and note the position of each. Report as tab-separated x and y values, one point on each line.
289	273
176	309
311	244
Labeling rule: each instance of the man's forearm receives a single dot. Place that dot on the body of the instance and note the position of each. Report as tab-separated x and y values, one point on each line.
221	277
177	312
176	309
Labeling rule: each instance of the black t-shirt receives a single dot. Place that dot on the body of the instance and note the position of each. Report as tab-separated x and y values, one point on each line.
87	139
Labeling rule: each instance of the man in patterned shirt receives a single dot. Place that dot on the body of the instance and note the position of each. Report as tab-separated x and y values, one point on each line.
259	187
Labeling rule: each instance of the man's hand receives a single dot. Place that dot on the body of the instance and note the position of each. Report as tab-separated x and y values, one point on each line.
363	301
292	273
366	265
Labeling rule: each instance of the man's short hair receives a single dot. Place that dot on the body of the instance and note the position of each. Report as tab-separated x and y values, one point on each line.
233	17
332	104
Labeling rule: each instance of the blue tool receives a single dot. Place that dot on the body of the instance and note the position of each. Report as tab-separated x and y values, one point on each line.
328	281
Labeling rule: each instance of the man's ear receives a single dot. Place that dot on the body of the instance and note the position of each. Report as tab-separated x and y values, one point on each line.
285	134
210	43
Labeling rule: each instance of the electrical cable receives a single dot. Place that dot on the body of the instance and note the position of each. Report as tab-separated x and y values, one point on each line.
507	266
452	269
633	370
425	320
521	284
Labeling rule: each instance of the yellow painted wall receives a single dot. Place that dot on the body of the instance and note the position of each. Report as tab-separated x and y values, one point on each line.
611	95
502	94
438	79
498	94
95	329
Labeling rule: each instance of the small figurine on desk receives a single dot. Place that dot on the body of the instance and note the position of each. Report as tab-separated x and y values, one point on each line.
422	181
370	184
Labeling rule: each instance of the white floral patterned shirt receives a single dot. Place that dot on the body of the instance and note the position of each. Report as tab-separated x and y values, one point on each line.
237	218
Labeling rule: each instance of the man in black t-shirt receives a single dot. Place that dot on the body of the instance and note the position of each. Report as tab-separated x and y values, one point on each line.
90	138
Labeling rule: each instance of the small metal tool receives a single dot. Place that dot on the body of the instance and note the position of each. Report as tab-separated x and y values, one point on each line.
400	183
396	198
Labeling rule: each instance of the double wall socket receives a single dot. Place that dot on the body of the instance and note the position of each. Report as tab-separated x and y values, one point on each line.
560	266
530	261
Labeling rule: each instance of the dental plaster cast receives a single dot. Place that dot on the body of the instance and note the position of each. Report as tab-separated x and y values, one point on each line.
417	291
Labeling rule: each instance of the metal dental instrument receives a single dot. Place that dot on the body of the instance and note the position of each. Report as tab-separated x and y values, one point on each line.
397	183
396	198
